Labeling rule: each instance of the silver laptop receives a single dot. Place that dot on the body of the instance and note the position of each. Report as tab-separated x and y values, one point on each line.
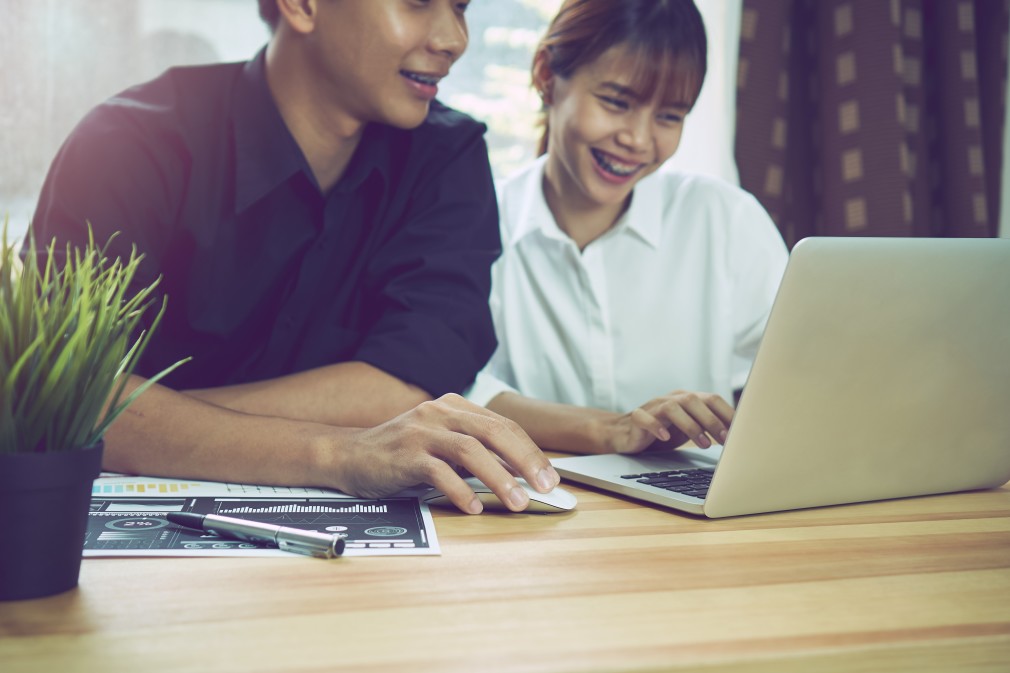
884	372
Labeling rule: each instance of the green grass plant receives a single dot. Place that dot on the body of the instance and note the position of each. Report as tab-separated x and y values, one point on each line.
69	340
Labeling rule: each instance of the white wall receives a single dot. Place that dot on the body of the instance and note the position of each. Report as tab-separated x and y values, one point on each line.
233	27
707	144
1004	214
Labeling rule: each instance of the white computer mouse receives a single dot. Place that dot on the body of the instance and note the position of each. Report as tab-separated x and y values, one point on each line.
556	501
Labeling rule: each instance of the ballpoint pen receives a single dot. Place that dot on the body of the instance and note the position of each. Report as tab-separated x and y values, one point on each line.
310	542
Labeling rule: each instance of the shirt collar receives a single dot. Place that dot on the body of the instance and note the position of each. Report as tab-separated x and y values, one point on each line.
645	215
267	155
643	218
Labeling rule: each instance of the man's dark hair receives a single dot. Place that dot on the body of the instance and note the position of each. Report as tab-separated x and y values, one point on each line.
269	13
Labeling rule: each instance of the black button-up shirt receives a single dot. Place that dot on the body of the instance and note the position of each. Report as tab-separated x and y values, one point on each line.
266	275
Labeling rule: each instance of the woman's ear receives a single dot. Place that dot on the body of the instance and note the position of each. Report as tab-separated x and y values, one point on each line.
299	15
543	77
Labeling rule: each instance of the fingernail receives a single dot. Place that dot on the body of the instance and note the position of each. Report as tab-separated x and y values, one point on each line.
518	497
475	506
722	437
664	434
547	479
702	441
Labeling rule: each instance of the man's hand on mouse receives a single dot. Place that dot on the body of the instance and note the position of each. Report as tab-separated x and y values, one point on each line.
424	444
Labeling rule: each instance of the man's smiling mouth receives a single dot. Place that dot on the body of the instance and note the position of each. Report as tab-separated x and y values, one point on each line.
429	80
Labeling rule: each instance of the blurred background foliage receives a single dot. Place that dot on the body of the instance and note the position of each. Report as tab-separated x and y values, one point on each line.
62	57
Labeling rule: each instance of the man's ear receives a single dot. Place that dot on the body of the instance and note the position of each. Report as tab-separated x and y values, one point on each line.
543	77
299	15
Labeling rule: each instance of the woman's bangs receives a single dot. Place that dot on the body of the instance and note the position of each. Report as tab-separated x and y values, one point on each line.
674	78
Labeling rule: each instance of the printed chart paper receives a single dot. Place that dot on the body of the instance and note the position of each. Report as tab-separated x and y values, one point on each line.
128	518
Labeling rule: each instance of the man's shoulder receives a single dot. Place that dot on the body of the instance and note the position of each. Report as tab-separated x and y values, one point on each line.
446	129
180	96
444	119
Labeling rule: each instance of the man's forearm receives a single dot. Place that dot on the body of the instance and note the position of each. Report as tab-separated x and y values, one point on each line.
350	394
166	433
170	434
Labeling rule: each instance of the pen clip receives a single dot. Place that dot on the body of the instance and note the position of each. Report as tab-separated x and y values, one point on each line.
311	543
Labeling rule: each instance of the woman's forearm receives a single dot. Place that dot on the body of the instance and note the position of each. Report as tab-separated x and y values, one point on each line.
557	427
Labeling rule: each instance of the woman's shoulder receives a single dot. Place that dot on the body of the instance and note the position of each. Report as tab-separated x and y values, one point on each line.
521	182
520	197
699	188
697	196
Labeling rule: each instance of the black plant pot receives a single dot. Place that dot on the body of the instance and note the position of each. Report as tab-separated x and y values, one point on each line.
44	500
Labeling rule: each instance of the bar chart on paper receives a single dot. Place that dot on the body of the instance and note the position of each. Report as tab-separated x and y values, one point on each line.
128	517
344	509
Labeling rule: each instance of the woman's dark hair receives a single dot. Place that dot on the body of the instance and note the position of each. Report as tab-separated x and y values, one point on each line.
665	38
269	13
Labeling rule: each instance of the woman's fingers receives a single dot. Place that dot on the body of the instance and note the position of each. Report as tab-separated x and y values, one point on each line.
699	416
646	421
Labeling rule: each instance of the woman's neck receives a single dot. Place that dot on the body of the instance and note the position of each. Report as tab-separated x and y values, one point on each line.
581	219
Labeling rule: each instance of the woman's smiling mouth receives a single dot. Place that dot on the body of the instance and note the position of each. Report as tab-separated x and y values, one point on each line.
613	168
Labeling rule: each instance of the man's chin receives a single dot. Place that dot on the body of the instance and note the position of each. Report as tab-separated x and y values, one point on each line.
408	119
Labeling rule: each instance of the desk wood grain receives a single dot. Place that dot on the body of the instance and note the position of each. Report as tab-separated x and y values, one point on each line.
909	585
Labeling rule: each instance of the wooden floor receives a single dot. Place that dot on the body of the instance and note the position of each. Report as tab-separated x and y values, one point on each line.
909	585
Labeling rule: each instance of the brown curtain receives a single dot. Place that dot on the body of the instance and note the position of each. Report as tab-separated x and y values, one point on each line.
873	117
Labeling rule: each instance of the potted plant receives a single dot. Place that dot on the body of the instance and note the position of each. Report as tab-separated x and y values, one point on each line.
68	342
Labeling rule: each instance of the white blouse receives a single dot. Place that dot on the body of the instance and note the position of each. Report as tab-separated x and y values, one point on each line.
674	296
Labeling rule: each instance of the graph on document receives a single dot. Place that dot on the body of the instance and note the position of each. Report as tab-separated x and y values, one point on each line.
313	513
134	522
298	507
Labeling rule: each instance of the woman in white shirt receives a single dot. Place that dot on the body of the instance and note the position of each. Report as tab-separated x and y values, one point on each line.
619	281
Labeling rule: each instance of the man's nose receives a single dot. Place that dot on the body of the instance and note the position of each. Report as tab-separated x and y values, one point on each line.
449	34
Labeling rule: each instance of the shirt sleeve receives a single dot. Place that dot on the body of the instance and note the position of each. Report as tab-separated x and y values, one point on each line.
758	259
111	176
492	380
486	387
435	329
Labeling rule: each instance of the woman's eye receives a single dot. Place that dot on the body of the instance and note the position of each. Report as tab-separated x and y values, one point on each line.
616	103
671	118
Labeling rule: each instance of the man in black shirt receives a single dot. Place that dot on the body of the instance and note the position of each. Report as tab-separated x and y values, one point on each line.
324	231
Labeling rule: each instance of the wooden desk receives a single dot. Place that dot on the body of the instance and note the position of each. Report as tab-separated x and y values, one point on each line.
911	585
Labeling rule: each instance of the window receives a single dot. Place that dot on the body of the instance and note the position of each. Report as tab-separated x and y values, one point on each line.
62	57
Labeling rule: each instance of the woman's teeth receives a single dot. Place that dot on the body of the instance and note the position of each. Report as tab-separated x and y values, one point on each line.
619	169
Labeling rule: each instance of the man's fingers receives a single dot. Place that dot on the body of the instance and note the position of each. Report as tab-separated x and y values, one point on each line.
440	475
497	435
471	454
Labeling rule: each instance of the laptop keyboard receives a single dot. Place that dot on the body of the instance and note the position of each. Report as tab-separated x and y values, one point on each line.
693	482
